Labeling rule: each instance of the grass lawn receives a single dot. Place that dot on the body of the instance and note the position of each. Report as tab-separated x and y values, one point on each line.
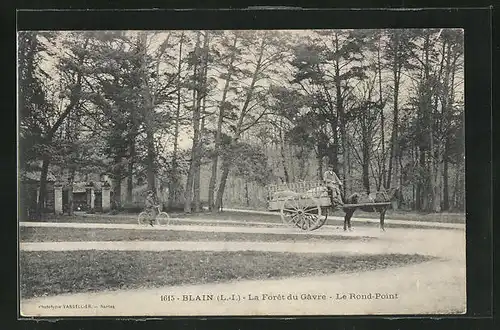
51	273
131	219
41	234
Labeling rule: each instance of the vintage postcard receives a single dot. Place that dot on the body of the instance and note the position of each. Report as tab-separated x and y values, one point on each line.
241	172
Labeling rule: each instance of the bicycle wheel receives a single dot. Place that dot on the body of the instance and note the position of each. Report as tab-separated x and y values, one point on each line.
143	218
163	219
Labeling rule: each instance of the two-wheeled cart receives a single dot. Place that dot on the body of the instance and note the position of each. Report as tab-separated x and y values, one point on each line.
306	205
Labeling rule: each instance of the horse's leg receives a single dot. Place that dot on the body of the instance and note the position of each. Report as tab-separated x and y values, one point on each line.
382	216
347	219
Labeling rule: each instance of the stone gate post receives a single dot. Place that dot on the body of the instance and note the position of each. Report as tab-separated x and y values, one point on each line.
106	197
58	198
90	195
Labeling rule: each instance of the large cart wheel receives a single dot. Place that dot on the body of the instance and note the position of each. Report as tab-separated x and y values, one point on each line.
302	212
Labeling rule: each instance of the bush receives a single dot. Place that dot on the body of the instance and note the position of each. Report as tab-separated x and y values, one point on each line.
91	211
179	207
136	207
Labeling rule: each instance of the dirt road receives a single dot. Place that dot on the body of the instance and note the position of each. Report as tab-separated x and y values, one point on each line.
432	287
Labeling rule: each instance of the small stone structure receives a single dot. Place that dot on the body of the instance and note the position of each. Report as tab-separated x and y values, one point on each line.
90	195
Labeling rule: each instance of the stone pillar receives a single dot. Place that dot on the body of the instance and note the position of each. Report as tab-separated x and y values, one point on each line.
90	195
92	198
106	197
58	199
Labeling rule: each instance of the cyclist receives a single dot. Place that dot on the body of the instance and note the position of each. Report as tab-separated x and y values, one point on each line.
151	206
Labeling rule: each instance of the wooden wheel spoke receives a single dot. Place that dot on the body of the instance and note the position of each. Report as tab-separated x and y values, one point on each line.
313	217
311	214
293	218
297	218
307	221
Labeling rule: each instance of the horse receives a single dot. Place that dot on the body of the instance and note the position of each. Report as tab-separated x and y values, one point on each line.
362	198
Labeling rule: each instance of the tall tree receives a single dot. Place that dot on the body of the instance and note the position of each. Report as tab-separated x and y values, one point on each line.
330	64
228	60
202	106
196	59
174	174
269	51
49	113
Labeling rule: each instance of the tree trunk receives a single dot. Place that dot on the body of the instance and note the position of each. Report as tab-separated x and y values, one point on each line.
302	162
366	154
218	134
117	189
366	168
247	196
348	184
71	204
222	183
333	151
435	148
201	104
130	172
425	109
148	113
43	185
382	115
319	158
395	120
188	192
447	107
174	173
283	157
341	114
151	160
420	184
456	193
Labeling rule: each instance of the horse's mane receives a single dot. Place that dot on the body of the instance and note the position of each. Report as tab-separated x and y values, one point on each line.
353	198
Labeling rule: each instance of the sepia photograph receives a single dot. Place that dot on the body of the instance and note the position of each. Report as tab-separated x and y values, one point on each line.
241	172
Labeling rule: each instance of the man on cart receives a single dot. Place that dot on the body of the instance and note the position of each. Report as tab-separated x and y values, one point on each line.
333	185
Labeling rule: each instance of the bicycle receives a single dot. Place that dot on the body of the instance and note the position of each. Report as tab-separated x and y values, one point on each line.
161	219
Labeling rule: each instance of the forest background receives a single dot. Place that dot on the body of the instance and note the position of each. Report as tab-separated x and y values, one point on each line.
207	118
